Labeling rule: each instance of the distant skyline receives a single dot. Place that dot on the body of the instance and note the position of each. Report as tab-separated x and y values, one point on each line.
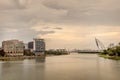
62	23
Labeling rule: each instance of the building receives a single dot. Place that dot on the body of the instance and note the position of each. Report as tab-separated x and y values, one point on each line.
13	47
30	45
39	46
25	46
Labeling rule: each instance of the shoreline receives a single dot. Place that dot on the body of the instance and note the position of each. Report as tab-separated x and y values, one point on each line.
17	58
20	58
109	57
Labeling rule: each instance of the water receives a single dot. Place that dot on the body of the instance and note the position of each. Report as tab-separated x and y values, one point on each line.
67	67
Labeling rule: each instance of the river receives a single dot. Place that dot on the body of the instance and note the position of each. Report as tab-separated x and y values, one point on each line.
65	67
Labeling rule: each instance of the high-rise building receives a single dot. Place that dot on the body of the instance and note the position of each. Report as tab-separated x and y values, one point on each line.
39	46
13	47
30	45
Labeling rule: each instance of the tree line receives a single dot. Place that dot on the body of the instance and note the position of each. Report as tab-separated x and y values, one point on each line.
114	51
56	52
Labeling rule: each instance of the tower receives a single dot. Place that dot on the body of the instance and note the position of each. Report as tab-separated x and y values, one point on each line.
39	46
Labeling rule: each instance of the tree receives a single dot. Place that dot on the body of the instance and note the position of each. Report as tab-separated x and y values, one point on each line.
28	53
111	51
118	50
105	52
2	53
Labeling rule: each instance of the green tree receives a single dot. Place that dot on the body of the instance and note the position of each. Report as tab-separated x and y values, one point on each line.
118	50
105	52
111	52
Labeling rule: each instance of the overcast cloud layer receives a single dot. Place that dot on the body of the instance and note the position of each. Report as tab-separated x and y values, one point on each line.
63	23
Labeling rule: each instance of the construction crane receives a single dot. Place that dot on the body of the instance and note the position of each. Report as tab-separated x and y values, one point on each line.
100	45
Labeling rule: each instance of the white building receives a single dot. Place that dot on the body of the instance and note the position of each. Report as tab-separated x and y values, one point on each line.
39	46
26	46
13	47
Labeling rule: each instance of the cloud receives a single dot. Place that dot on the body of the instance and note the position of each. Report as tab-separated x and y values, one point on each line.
13	4
74	20
21	4
108	34
58	28
45	28
10	30
41	33
93	12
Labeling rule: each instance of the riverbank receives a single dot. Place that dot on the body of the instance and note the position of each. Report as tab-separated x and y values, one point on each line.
20	58
26	57
110	57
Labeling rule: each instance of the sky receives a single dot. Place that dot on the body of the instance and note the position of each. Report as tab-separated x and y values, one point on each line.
70	24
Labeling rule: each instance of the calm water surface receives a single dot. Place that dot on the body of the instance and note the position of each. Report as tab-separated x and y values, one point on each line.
68	67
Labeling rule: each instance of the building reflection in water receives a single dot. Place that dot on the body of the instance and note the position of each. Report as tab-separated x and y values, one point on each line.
33	69
40	60
0	70
29	69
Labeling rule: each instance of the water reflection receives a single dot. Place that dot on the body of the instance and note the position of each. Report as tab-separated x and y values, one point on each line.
81	67
22	70
0	70
39	60
69	67
33	70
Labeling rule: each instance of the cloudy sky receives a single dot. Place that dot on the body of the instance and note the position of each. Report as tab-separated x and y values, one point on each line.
62	23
